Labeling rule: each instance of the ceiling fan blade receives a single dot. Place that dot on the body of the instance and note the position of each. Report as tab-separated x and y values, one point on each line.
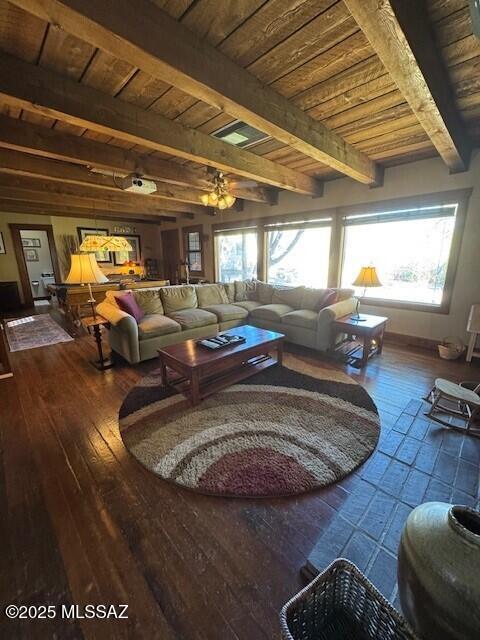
243	184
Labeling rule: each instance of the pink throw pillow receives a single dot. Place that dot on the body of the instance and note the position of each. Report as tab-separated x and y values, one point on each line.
329	297
128	304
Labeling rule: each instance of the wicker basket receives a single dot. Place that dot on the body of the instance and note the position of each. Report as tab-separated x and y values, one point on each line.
451	348
341	603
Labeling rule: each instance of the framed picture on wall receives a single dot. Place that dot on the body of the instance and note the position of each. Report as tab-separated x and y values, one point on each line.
31	255
120	257
31	242
2	244
83	232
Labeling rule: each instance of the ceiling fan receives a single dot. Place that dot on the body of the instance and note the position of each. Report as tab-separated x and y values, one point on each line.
234	182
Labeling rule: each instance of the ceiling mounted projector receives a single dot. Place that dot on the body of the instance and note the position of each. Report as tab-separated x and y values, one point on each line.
136	184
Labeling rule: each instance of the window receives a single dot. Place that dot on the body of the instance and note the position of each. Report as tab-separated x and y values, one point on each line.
410	249
298	254
236	255
193	248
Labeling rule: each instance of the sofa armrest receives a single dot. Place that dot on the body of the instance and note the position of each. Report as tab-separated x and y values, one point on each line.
325	335
112	313
337	310
123	334
119	319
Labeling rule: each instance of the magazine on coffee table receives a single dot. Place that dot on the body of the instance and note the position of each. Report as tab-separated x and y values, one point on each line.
221	341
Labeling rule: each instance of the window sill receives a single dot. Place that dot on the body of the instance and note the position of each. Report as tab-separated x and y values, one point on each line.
442	308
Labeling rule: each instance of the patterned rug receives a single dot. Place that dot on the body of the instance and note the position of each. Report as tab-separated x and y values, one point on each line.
284	431
34	331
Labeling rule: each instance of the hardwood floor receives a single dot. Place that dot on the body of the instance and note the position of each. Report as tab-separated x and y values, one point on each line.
82	522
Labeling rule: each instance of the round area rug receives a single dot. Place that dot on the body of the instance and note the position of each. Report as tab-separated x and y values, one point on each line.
284	431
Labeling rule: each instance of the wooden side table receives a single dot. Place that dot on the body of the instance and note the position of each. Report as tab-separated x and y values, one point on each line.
370	331
95	324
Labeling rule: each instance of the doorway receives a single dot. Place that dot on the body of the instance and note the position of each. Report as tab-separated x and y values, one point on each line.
36	255
171	255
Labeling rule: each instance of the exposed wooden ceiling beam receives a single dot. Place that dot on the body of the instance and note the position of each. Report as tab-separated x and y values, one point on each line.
399	32
150	39
17	206
50	143
35	89
93	209
101	197
92	206
18	163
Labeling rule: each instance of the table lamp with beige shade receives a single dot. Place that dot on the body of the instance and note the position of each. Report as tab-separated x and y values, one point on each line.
85	270
366	278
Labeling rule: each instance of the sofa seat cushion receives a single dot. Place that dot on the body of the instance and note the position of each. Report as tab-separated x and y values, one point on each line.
193	318
226	312
273	312
304	318
156	324
248	305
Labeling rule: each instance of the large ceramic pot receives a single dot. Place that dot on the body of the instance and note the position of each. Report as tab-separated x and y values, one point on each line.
439	571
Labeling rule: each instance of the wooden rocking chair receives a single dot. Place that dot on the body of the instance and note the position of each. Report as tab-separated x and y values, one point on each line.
458	401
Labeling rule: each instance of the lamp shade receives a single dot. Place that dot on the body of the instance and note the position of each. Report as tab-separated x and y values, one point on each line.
85	270
95	243
367	278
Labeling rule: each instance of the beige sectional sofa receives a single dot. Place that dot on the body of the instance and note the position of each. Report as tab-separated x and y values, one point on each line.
177	313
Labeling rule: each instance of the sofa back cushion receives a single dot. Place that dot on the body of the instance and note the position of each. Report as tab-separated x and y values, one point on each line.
244	290
316	299
311	298
148	300
211	294
178	298
329	297
128	304
230	291
264	292
292	296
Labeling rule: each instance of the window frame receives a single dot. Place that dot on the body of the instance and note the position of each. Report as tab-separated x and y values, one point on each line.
460	197
302	219
195	228
234	228
300	222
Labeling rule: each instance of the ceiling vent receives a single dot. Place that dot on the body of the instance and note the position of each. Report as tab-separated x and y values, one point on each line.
240	134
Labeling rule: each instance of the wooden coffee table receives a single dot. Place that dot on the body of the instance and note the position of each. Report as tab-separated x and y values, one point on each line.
203	372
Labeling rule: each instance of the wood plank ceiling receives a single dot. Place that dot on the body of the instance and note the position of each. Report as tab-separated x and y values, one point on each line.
311	53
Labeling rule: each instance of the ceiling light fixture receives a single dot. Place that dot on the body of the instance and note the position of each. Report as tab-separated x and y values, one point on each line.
93	243
219	196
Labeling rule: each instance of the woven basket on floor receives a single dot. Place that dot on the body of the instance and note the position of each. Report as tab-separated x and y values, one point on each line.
341	603
451	348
